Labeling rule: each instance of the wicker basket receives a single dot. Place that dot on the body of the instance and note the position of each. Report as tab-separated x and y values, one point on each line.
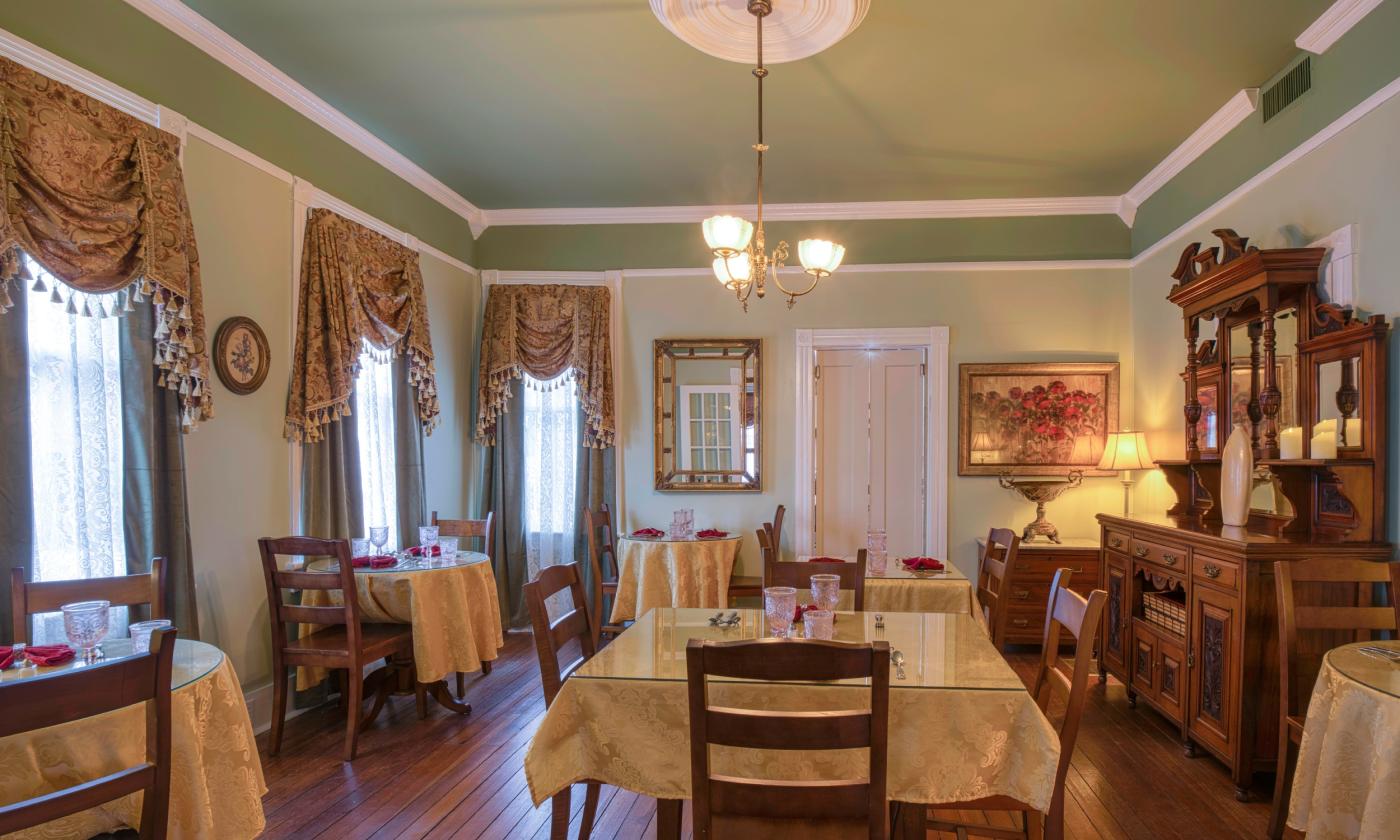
1165	612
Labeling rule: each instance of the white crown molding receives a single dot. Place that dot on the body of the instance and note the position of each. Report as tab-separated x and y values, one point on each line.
1231	114
42	61
1339	18
199	31
231	148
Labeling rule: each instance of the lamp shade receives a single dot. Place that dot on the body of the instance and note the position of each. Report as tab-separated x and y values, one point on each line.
1126	451
734	270
819	256
727	234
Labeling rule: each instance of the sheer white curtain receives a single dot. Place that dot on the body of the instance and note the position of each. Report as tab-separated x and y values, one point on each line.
551	467
75	425
374	418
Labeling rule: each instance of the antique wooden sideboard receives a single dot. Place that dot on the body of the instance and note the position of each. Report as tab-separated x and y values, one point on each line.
1190	625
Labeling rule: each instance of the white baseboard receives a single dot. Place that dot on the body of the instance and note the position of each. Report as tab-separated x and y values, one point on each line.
259	702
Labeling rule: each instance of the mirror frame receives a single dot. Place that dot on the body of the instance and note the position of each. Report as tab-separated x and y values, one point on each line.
665	353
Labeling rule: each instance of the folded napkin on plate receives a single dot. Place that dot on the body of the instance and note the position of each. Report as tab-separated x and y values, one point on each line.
419	551
711	533
922	564
825	560
648	532
378	561
42	655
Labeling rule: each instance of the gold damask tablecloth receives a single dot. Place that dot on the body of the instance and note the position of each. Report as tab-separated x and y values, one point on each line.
672	573
216	780
454	611
899	590
1347	784
962	726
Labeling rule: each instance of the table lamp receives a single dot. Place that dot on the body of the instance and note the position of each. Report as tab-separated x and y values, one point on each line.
1126	451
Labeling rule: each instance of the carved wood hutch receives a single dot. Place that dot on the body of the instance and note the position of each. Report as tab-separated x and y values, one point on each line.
1191	624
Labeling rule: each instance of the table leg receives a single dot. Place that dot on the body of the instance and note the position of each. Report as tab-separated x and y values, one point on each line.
911	820
439	692
668	819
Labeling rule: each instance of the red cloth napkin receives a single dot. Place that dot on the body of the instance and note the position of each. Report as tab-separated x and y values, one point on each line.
378	561
419	551
42	655
922	564
711	533
825	560
648	532
802	608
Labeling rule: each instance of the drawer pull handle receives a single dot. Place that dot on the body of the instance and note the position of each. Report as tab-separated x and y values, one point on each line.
1076	570
1020	622
1116	543
1141	551
1021	594
1170	558
1212	571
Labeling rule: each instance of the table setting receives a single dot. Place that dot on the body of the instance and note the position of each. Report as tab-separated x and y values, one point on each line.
681	567
909	584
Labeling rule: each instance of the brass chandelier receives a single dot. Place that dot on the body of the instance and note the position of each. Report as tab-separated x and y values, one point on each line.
742	261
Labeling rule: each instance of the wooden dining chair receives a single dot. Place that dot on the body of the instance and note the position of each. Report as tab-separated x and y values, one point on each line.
799	575
28	598
729	806
775	530
994	581
485	530
602	556
1067	612
751	586
550	638
1334	601
83	693
341	639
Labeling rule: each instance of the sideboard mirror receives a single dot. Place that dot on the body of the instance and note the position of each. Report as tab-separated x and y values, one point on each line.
708	413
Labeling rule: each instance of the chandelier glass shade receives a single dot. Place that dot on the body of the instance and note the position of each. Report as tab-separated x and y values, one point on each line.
742	261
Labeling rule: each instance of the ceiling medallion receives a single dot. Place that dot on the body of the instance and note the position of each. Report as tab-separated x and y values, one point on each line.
743	263
796	29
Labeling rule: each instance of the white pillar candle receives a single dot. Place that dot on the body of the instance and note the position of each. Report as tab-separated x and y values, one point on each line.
1290	443
1324	440
1353	431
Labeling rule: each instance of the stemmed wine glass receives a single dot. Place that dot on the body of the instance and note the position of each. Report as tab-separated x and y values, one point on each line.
85	623
379	535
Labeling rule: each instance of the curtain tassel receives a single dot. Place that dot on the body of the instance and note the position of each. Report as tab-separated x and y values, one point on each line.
39	284
55	297
6	302
71	308
131	297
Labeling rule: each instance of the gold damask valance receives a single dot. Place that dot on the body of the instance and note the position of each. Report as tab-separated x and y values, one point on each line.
96	197
546	331
358	287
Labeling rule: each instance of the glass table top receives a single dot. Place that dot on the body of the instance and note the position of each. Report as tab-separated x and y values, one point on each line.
406	563
193	661
666	539
1371	671
895	570
941	650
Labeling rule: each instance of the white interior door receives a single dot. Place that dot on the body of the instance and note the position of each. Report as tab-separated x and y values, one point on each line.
871	457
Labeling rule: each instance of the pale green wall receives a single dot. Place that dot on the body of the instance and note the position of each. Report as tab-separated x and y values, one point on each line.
1352	179
994	316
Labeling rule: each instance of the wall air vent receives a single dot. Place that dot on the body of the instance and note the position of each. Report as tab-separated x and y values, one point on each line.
1287	88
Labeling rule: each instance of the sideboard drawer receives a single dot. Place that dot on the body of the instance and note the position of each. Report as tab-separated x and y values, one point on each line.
1043	565
1214	570
1118	541
1163	554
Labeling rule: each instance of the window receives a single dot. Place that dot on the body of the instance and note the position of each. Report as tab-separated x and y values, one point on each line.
551	447
75	423
374	419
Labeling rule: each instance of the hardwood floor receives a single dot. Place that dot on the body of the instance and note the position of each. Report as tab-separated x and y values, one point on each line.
451	776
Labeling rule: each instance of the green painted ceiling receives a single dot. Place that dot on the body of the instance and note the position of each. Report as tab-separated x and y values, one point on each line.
559	103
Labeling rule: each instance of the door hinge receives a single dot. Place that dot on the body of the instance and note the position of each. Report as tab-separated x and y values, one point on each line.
923	368
1190	660
817	372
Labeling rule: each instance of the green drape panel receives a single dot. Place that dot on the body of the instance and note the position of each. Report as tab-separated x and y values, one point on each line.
16	487
155	509
409	489
332	501
505	483
596	487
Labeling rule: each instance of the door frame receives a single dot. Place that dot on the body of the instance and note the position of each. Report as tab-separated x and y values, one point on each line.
933	340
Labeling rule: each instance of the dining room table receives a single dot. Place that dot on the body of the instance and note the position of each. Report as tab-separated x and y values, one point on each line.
897	588
1347	781
216	778
659	571
962	725
451	603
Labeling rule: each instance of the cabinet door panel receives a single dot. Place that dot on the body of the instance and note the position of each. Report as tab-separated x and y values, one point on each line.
1115	614
1144	662
1213	667
1171	677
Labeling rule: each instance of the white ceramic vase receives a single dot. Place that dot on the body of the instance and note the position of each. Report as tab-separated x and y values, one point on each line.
1236	477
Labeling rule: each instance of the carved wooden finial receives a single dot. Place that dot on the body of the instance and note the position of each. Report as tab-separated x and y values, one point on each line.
1236	246
1185	270
1207	261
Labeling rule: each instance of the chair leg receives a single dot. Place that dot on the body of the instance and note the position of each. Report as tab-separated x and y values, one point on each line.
590	810
462	681
559	818
485	667
1037	825
279	707
1283	784
352	712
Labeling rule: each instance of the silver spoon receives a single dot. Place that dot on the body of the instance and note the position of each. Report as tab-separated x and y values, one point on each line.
898	659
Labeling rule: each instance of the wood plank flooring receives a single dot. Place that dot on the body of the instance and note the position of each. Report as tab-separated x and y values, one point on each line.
451	776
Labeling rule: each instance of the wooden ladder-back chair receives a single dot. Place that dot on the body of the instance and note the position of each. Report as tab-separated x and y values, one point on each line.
726	806
83	693
550	638
1334	600
775	530
799	575
1070	612
341	640
994	581
602	555
485	530
28	598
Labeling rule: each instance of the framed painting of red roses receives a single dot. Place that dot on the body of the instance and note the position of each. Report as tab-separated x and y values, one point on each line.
1035	419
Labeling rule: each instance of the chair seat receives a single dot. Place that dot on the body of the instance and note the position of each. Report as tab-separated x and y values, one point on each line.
376	640
752	584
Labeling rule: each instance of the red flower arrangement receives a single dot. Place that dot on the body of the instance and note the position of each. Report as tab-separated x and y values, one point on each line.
1038	425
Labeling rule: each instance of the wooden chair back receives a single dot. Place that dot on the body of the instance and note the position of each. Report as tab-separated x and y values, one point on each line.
775	530
799	575
83	693
994	580
602	544
277	579
483	529
552	636
29	598
1067	612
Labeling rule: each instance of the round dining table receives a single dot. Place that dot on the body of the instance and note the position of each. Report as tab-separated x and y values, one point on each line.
661	572
1347	782
216	779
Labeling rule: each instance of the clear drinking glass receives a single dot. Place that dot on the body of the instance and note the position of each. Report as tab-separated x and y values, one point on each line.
818	624
826	591
141	633
379	535
428	536
876	552
779	603
85	623
449	549
359	547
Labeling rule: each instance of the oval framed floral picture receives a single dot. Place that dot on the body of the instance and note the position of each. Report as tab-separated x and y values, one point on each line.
241	354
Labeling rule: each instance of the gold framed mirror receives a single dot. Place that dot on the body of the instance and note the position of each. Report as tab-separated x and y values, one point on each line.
708	411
